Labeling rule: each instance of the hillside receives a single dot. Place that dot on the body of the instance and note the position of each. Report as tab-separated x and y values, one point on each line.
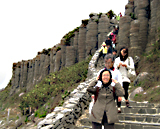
40	84
45	96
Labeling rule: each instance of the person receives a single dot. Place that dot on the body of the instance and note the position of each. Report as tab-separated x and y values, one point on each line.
109	42
103	50
123	63
114	52
109	46
104	111
109	64
118	17
113	34
120	14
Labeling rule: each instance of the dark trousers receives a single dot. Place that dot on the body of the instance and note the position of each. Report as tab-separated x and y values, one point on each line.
104	122
118	103
125	87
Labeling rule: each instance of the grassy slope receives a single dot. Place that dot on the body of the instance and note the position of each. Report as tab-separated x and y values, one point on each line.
46	95
150	63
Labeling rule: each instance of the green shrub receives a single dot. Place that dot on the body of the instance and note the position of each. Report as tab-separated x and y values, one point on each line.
91	15
55	83
70	35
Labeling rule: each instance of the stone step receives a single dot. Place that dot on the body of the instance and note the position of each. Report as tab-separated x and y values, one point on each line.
149	119
140	110
140	104
136	125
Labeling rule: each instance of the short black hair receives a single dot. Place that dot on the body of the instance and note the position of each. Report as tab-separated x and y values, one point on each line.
109	56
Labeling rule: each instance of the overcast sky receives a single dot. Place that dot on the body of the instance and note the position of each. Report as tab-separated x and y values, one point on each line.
29	26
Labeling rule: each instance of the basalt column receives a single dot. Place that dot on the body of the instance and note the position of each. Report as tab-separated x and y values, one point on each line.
30	74
103	29
70	56
72	41
13	77
21	74
143	14
153	25
52	60
46	67
158	19
124	32
76	46
58	61
36	69
134	42
25	74
135	10
129	8
91	38
42	62
16	87
82	43
63	51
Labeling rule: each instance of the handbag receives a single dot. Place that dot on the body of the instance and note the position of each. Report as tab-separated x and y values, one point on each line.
131	72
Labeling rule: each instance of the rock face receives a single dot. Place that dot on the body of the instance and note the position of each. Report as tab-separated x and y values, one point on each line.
70	56
134	34
138	30
91	38
85	42
103	29
124	32
82	43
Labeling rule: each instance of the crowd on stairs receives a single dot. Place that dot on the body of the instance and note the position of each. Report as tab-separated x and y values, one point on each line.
111	84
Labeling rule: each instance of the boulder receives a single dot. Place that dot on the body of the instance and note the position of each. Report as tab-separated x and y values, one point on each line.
142	78
136	91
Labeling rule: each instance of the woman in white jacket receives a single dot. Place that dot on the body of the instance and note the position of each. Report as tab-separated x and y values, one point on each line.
123	63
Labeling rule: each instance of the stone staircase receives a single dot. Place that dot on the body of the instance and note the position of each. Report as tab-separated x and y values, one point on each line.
140	115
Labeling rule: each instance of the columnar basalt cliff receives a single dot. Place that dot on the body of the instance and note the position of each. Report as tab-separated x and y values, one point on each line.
85	42
139	27
138	30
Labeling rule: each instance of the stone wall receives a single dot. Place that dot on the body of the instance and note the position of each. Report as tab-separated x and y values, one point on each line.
74	106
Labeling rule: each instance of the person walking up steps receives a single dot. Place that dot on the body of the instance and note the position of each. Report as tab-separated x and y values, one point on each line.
104	109
123	63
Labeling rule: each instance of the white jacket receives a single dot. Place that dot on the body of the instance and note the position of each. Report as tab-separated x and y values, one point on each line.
124	70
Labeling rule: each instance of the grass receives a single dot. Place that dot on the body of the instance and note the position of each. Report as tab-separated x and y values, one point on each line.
150	62
49	93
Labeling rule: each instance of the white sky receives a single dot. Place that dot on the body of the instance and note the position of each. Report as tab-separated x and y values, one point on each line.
29	26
